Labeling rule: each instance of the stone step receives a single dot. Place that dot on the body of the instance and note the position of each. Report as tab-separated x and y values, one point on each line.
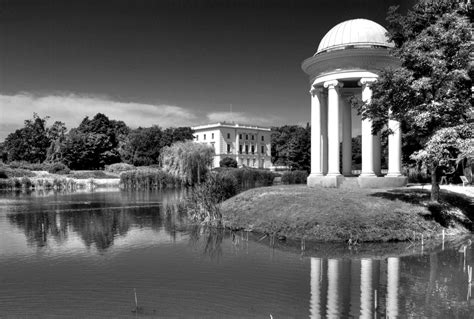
349	182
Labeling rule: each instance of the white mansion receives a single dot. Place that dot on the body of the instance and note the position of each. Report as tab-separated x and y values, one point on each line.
248	145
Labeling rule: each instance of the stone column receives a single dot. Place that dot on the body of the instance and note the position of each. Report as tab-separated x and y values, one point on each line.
316	136
324	132
367	137
333	127
394	149
346	138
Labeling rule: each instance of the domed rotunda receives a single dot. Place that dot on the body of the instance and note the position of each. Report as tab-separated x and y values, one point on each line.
347	61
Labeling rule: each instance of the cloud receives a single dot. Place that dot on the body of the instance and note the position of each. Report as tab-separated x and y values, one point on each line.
242	118
72	108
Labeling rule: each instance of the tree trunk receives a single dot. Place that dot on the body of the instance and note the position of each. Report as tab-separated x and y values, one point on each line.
434	184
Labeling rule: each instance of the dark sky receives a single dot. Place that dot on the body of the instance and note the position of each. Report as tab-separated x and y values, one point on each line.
196	57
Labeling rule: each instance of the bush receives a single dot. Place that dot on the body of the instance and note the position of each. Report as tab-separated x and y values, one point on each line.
416	175
203	204
249	177
294	177
58	168
91	174
119	167
228	162
148	179
3	174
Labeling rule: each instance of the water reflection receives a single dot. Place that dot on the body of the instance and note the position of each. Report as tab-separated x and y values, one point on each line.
98	220
413	286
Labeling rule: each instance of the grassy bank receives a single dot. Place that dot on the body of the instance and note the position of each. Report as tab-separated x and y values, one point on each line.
321	214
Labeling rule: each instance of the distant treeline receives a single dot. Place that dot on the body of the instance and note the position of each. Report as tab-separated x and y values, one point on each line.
93	144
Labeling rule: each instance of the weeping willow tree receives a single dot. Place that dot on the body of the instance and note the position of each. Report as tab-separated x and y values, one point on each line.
188	161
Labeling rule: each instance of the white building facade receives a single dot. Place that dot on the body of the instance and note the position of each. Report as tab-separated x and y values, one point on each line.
347	62
250	146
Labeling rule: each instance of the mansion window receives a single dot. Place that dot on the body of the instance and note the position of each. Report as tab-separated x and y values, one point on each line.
204	136
228	135
253	149
240	149
240	136
253	137
246	149
212	136
228	148
263	138
263	149
246	136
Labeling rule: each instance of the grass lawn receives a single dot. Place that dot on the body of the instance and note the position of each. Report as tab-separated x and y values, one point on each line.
324	214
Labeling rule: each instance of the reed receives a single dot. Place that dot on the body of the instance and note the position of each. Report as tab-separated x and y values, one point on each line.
248	177
148	179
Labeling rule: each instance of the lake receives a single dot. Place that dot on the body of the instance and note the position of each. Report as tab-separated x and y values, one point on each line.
100	254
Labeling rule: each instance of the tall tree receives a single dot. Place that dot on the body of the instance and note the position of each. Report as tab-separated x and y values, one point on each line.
291	146
94	143
188	161
431	92
29	143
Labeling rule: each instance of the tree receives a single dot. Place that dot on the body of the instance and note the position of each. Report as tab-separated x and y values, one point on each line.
29	143
94	143
188	161
291	146
228	162
430	94
143	145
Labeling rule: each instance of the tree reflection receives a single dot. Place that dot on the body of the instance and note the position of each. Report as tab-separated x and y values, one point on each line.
97	226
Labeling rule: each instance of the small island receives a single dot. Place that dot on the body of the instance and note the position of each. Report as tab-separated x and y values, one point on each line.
347	214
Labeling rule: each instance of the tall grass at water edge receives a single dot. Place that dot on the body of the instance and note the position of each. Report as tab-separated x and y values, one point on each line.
40	183
248	177
148	179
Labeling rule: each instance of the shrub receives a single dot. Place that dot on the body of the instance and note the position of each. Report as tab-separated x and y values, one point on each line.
26	182
91	174
228	162
416	175
3	174
119	167
148	179
58	168
250	177
203	204
294	177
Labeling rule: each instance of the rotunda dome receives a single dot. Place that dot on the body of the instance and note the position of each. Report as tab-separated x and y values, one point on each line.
354	33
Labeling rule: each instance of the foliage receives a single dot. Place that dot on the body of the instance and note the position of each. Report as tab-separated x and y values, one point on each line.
291	146
148	179
205	199
29	143
119	167
187	161
294	177
228	162
249	177
93	144
91	174
143	145
431	91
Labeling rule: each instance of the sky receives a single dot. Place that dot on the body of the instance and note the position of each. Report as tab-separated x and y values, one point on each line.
165	62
